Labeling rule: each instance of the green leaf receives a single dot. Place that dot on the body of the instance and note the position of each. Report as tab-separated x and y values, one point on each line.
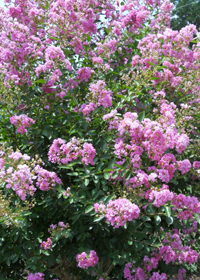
150	209
108	170
40	81
111	163
148	225
157	219
168	211
106	175
89	208
145	218
86	182
55	38
98	219
120	96
141	116
197	217
155	78
169	220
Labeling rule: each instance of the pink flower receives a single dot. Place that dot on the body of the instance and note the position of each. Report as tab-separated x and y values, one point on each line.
158	276
184	166
46	244
46	179
97	60
161	197
85	261
84	74
36	276
196	164
119	211
22	122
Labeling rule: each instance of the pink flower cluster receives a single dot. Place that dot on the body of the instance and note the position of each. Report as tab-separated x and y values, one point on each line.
22	177
174	251
152	139
61	226
100	94
84	74
161	197
46	179
67	192
86	109
46	244
62	152
21	180
85	261
118	211
184	166
36	276
196	164
186	206
21	122
130	273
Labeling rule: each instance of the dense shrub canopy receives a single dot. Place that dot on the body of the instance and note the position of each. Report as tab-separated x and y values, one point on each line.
99	135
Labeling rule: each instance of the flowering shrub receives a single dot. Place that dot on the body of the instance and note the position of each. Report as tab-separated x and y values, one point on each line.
99	112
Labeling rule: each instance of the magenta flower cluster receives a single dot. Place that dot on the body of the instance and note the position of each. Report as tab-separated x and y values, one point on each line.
171	252
161	197
186	206
153	138
62	152
36	276
174	251
87	260
61	226
22	122
47	245
46	179
118	212
23	178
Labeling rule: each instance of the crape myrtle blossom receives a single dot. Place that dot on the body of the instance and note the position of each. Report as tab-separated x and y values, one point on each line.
196	164
172	251
23	177
153	138
46	244
118	211
61	152
84	260
22	122
184	166
36	276
161	197
99	95
186	206
27	39
46	179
